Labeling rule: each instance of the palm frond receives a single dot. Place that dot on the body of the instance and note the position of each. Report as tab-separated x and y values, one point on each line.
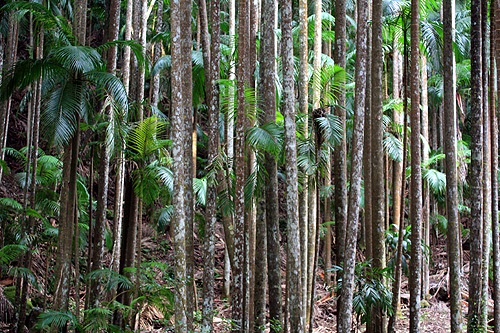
435	179
200	190
111	279
267	137
78	59
11	252
163	217
331	129
57	319
393	147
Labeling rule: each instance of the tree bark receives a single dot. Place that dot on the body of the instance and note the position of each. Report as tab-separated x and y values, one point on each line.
214	147
293	248
378	225
486	169
495	47
450	149
268	93
397	166
180	168
339	153
426	193
303	87
476	229
347	291
242	70
416	174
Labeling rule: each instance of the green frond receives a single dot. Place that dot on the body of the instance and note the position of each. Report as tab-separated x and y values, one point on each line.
267	137
135	47
163	217
11	252
200	190
331	129
435	179
78	59
393	147
162	64
57	319
96	319
111	279
143	138
10	203
62	109
25	273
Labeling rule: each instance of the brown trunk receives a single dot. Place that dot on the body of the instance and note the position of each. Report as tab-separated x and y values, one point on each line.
416	174
347	291
476	229
268	93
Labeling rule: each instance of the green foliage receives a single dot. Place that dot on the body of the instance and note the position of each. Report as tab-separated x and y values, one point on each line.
391	240
110	279
57	319
370	290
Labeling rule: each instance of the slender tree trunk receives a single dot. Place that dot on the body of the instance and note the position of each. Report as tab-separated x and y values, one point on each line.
179	126
312	179
396	289
476	229
120	172
450	149
495	48
100	225
378	225
293	249
416	174
214	147
426	193
339	154
155	90
304	110
367	156
238	299
260	268
397	165
486	170
346	294
268	93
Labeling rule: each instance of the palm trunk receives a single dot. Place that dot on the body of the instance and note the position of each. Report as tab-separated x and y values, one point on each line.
180	204
260	269
495	48
367	157
476	229
486	170
239	296
347	291
450	133
416	174
378	245
293	248
397	166
426	193
155	89
211	208
339	153
304	110
268	91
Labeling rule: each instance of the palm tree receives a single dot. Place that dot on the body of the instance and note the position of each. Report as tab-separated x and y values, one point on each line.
346	293
476	233
416	173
